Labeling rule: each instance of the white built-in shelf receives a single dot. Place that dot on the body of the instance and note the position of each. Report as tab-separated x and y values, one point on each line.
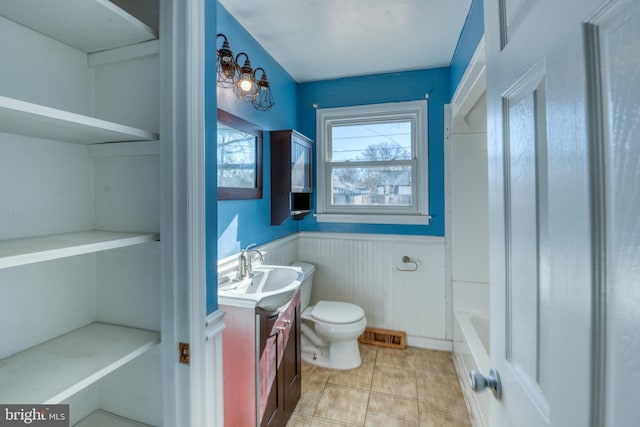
55	370
87	25
44	248
30	119
106	419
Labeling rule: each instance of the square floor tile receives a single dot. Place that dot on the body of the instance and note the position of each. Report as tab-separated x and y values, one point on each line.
320	422
396	381
391	411
359	377
315	373
299	420
347	405
395	358
439	362
309	397
432	417
368	353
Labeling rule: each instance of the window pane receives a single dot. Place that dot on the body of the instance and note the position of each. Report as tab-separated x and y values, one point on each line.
236	158
371	186
371	141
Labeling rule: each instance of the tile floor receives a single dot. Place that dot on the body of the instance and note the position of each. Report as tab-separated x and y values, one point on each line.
411	387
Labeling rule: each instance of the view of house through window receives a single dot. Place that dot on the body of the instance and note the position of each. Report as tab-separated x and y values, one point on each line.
377	166
372	160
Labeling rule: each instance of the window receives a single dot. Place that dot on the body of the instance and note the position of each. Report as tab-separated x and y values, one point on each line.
372	164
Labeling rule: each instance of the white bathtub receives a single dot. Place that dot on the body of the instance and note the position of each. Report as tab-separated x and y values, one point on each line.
471	352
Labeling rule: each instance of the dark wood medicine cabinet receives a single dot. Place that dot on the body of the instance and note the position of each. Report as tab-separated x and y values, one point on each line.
291	175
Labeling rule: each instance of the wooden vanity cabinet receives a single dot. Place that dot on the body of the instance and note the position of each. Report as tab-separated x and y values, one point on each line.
291	175
261	353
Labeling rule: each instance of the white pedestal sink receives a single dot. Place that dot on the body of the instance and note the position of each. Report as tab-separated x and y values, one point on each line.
269	287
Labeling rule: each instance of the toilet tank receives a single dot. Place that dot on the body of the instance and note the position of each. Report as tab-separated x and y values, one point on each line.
305	287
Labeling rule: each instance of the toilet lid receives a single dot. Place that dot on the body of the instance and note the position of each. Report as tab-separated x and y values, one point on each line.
337	312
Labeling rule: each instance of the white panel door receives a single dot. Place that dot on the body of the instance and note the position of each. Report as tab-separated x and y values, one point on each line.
563	79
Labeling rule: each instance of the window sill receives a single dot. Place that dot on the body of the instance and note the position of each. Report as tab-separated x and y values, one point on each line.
374	219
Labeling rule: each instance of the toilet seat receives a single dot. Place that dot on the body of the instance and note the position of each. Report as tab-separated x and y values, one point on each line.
337	312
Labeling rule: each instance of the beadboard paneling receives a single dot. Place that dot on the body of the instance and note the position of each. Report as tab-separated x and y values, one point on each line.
362	269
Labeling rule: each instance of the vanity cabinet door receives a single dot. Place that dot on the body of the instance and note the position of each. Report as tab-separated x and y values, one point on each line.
291	363
280	364
271	384
270	392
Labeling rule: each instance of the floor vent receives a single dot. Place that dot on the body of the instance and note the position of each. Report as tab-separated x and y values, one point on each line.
384	338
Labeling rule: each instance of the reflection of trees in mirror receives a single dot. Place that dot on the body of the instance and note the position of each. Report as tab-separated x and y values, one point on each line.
239	158
236	158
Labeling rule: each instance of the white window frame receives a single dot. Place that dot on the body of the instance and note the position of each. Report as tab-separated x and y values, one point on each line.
414	111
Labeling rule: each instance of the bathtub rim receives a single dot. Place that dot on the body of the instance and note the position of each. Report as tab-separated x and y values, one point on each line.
472	344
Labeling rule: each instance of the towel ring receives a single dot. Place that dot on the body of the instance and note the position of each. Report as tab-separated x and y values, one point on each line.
408	260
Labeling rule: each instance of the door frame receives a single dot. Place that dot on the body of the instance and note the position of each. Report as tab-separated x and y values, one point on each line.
188	388
471	88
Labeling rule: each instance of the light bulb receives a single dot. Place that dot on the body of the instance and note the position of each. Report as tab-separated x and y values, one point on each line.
245	84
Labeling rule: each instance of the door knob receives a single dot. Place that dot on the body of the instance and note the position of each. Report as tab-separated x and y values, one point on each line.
479	382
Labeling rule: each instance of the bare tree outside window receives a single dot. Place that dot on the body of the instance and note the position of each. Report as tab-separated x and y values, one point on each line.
381	185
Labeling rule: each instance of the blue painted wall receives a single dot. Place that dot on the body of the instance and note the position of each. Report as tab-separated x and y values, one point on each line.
467	43
376	89
241	222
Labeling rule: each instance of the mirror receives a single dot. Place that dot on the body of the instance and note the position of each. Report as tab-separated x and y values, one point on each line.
239	158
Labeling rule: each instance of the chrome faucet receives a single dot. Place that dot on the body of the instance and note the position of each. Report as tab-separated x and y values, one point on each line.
244	261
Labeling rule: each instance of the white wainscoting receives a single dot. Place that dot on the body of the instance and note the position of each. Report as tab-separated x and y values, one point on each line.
213	354
363	269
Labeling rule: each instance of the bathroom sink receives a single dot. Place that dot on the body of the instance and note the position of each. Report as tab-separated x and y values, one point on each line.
269	287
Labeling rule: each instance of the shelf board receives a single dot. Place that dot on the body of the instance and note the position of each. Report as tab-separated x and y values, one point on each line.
44	248
36	120
55	370
87	25
102	418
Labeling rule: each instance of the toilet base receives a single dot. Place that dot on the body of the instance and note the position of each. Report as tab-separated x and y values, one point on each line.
337	355
344	354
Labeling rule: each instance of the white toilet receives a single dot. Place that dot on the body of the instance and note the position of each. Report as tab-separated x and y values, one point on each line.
330	329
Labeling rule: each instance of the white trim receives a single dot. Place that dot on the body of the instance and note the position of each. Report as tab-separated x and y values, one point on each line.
374	218
196	202
214	369
429	343
372	237
417	113
175	392
214	324
471	87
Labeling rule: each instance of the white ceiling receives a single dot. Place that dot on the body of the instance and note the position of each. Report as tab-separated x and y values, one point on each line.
326	39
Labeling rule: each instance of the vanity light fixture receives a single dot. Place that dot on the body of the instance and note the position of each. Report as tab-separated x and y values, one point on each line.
226	67
264	100
245	86
242	79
